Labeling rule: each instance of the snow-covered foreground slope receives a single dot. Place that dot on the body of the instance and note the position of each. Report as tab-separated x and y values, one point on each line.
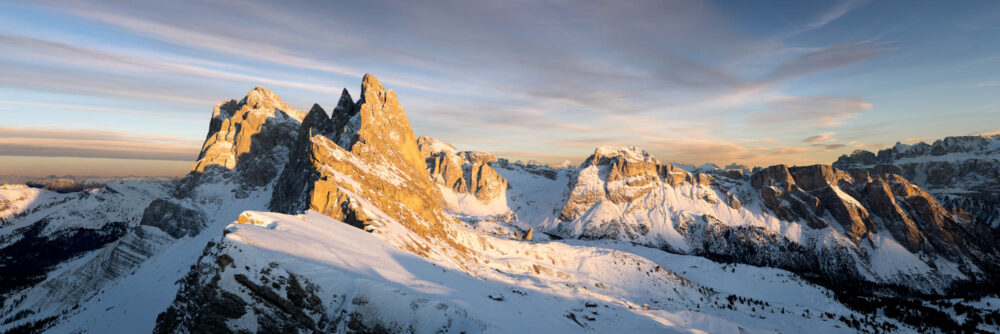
276	272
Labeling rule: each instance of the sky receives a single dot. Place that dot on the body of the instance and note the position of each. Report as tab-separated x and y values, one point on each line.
128	87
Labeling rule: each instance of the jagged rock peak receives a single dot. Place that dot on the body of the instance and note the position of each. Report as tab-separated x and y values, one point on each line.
261	98
260	122
430	146
816	176
380	121
371	84
317	111
316	120
362	167
345	104
974	145
968	163
462	172
605	153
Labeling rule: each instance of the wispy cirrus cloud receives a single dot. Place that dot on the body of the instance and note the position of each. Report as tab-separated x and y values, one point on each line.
826	59
838	10
819	111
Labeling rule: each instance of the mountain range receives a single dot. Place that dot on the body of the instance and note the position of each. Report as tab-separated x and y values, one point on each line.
342	220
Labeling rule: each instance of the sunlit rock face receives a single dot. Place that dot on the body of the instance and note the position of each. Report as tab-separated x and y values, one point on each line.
621	175
816	219
962	173
362	166
858	204
252	134
463	172
628	173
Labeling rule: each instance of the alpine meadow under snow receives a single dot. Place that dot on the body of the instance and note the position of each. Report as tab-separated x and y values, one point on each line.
342	220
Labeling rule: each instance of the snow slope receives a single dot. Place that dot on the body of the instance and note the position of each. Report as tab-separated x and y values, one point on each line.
524	287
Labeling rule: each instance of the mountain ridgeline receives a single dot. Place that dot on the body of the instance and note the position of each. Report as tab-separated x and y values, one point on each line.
962	173
343	220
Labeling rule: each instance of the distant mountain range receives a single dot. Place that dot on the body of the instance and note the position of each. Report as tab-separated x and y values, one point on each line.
343	220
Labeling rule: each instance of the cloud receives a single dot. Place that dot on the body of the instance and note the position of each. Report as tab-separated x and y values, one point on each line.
985	134
830	147
721	152
589	143
820	111
82	82
826	59
90	143
112	62
787	150
698	151
832	14
820	138
100	109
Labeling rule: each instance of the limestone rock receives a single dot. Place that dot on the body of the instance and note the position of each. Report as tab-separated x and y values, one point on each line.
962	173
251	136
363	166
429	147
464	172
621	175
485	182
173	218
854	200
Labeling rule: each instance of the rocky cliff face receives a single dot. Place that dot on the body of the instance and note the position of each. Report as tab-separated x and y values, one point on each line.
816	220
362	166
249	138
463	172
962	173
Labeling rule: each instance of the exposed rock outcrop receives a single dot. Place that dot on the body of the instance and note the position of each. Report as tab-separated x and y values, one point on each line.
626	194
462	172
362	166
621	175
962	173
173	218
234	125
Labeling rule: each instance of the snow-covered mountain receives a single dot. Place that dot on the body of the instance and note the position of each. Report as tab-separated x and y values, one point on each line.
347	222
853	231
962	173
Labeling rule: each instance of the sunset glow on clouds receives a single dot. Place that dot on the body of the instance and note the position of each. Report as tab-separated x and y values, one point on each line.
692	81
